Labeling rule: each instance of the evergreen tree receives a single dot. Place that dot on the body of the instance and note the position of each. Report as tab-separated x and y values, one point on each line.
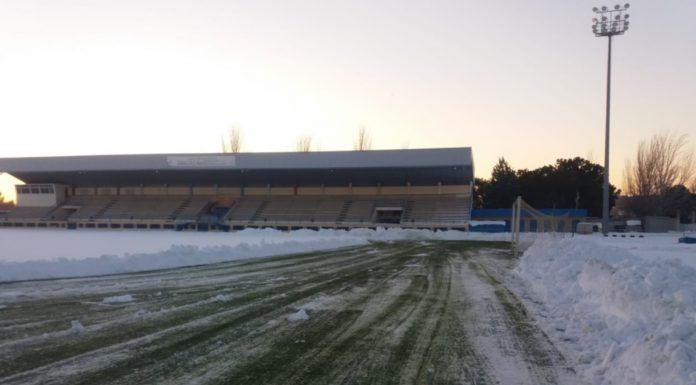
503	187
567	183
480	189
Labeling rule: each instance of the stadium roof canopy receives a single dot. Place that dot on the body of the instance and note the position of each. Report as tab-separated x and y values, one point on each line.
388	167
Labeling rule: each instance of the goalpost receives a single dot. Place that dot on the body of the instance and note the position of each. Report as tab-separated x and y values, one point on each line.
518	208
515	225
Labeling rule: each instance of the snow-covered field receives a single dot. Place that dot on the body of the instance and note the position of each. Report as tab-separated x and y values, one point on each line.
623	308
39	254
409	312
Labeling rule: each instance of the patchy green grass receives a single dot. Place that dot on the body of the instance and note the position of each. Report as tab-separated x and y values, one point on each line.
392	313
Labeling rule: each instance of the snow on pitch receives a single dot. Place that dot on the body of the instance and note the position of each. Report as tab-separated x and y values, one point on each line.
625	311
37	254
118	299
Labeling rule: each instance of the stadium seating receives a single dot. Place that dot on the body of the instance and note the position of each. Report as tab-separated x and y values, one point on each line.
87	207
314	211
246	209
439	210
31	213
190	208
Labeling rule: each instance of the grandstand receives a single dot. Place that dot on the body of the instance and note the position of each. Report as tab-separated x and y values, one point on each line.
420	188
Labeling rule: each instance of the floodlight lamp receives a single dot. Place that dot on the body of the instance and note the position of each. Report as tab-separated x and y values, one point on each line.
626	16
604	8
595	9
626	5
617	7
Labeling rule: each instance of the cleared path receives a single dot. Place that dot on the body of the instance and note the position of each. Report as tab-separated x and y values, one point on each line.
387	313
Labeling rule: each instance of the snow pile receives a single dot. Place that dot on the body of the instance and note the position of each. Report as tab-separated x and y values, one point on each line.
21	245
76	327
652	246
40	254
486	223
300	315
32	254
627	319
118	299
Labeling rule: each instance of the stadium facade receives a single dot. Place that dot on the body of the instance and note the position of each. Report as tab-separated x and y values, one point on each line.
419	188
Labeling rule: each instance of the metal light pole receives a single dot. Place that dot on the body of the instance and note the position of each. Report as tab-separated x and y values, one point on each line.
608	22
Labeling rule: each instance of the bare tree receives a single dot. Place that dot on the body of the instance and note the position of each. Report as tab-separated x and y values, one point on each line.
363	142
304	143
233	142
665	161
660	164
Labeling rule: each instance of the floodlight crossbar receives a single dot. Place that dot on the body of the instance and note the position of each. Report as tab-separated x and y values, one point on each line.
610	21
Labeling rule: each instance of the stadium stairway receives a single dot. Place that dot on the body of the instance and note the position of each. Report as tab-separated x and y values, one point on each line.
259	211
344	211
105	208
408	207
184	204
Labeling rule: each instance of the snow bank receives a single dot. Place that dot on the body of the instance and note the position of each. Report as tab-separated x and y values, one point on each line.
38	254
20	245
627	318
651	246
486	223
37	261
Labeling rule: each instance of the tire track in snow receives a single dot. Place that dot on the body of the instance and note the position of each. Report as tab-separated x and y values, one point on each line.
405	312
155	349
70	346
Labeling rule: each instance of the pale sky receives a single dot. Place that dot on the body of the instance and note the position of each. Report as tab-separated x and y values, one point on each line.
519	79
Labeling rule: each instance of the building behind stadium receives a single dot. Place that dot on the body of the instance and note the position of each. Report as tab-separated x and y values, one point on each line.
419	188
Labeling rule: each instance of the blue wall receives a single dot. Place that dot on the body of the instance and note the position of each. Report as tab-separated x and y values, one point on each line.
485	214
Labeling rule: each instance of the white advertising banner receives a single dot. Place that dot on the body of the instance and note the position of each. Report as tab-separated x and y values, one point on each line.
202	161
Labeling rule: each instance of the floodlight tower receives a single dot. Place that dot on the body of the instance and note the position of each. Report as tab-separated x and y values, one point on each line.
608	22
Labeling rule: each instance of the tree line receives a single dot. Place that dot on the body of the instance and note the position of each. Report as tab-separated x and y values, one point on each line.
660	180
569	183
